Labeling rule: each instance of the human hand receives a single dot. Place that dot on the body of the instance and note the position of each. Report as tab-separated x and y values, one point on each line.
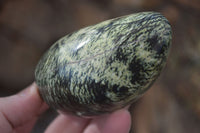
18	114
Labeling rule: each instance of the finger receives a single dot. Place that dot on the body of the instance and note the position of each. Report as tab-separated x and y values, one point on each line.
67	124
27	127
22	107
117	122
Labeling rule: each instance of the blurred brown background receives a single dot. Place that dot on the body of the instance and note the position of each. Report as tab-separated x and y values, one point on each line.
30	27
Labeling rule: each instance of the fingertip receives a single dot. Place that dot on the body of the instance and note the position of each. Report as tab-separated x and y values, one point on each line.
23	106
118	122
31	94
35	97
30	90
67	123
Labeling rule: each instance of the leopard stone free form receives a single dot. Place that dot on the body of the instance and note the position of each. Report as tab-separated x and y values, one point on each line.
104	67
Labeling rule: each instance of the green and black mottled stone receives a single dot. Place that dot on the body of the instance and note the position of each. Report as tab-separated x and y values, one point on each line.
106	66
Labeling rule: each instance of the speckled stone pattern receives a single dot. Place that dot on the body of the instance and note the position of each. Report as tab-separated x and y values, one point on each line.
106	66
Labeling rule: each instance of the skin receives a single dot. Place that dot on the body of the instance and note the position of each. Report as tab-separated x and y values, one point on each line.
18	114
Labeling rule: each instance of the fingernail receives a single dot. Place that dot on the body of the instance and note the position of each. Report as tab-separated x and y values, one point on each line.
29	90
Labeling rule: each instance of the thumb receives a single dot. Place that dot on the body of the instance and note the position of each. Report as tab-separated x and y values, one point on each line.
23	107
